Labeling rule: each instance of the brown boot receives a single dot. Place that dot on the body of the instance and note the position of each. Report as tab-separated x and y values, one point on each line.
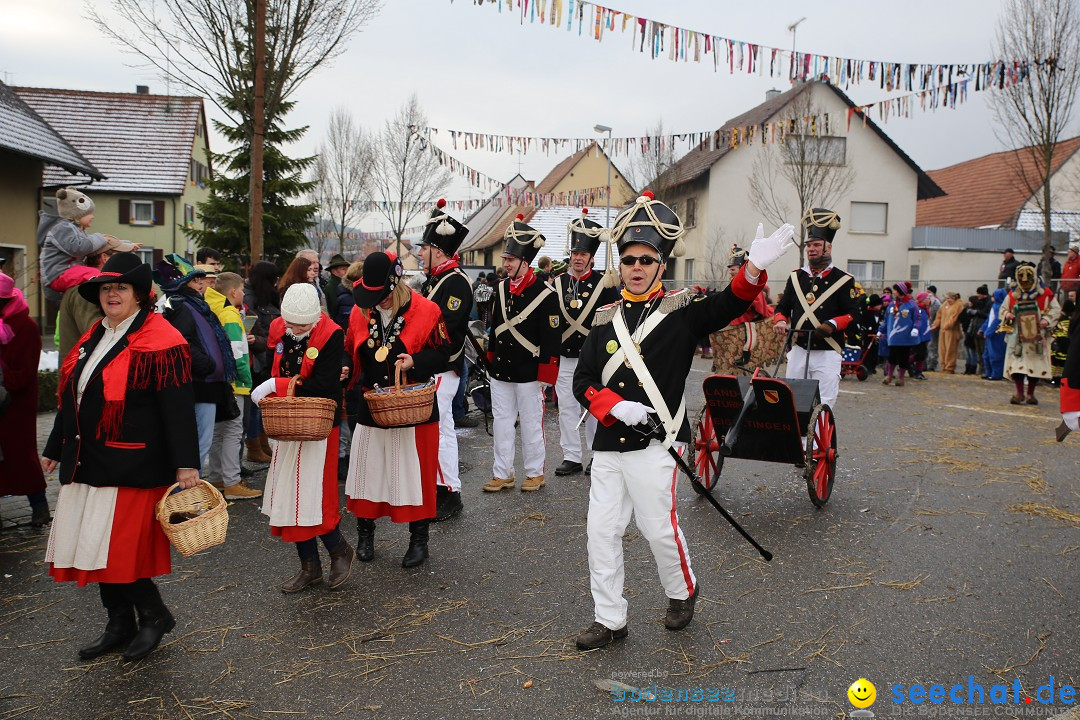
598	635
1032	400
532	483
310	574
496	484
264	443
255	452
1016	400
681	612
341	560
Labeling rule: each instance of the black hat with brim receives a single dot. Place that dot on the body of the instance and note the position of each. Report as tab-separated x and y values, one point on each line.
584	235
821	224
382	273
124	267
443	231
522	240
649	222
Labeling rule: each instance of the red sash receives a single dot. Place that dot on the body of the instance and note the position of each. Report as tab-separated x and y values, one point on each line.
322	331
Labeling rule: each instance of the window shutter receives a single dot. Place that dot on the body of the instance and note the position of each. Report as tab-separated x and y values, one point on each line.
159	255
125	212
159	212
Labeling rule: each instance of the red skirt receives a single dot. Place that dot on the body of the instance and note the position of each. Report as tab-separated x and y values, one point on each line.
427	444
138	547
331	508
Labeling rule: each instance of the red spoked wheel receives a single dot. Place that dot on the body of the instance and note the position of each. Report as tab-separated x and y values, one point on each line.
821	455
708	461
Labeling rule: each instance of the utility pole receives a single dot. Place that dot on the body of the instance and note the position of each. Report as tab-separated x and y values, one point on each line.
255	210
792	28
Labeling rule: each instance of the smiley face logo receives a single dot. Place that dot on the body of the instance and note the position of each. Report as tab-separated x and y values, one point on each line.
862	693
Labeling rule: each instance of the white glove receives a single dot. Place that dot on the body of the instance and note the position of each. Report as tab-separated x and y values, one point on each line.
914	332
764	251
266	387
631	413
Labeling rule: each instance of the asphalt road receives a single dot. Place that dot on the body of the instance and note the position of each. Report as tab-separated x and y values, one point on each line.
948	549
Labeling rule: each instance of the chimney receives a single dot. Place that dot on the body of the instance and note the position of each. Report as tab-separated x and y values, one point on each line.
142	89
770	94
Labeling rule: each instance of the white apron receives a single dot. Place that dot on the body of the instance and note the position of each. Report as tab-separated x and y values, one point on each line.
384	466
82	527
294	484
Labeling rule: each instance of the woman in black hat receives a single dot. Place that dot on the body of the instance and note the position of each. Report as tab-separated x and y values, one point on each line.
125	430
392	471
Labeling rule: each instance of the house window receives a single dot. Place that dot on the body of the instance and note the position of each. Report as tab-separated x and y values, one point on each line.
868	273
688	269
914	274
869	217
816	150
691	213
189	215
142	212
146	255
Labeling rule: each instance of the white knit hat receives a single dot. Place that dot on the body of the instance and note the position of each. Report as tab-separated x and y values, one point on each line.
300	304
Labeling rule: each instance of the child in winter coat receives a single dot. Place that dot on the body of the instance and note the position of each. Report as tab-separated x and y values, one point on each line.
63	242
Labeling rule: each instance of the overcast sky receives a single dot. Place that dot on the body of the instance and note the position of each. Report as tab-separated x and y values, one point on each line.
476	69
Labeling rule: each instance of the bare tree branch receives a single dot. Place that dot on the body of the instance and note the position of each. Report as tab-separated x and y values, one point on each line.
344	172
404	173
1033	113
646	172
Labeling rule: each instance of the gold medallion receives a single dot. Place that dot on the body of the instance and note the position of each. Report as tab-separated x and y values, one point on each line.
575	303
611	347
312	353
381	353
810	297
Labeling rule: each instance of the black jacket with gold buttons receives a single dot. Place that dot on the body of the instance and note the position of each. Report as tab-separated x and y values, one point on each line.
591	295
511	361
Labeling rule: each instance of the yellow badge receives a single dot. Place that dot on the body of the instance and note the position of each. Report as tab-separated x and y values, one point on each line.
453	303
611	347
553	321
312	353
852	293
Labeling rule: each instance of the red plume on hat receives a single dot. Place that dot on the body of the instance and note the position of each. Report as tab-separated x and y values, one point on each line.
520	217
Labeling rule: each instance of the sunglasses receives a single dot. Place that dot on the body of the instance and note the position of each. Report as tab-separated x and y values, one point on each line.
645	260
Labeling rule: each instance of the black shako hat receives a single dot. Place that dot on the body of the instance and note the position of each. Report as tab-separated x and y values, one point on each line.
522	241
821	224
443	231
382	273
124	267
583	234
649	222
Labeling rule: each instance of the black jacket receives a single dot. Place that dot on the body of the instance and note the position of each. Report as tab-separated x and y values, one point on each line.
158	435
511	361
668	352
842	307
261	355
586	289
207	363
452	292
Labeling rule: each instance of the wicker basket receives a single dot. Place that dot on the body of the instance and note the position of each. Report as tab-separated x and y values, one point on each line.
198	532
400	406
297	418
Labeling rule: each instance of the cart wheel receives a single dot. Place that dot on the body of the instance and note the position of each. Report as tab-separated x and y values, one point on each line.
707	458
820	455
861	374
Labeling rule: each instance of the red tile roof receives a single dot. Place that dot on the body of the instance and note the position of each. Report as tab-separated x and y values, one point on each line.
142	143
986	191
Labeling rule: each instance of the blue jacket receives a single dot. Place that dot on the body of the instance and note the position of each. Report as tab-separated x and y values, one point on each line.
901	324
924	325
993	320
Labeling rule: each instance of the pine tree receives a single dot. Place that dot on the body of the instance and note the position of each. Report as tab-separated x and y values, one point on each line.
225	213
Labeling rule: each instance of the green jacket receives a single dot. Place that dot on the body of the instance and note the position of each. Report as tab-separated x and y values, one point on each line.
230	319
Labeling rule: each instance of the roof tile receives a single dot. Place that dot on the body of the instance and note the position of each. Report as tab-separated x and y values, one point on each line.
25	132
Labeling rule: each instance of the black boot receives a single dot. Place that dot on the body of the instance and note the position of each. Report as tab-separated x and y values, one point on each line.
121	627
418	537
365	540
154	619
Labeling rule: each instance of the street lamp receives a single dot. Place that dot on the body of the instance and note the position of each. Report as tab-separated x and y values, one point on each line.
606	129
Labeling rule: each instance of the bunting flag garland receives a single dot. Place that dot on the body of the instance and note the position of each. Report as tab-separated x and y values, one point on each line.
685	45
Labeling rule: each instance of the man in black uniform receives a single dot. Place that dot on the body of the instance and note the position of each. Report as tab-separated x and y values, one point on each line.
822	298
580	292
449	288
525	335
635	363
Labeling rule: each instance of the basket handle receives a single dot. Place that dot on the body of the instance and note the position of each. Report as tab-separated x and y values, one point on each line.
291	392
398	372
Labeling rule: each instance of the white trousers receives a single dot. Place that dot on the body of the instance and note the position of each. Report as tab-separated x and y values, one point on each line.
642	483
824	367
510	402
448	450
570	413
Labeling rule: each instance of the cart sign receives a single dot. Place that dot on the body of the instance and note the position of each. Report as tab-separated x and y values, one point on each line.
772	396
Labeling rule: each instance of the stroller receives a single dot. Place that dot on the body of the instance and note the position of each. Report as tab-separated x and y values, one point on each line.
479	388
853	360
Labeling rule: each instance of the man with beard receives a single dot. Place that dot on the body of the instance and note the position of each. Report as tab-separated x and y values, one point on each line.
580	292
821	298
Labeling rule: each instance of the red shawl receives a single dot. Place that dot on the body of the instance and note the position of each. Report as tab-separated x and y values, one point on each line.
156	355
424	327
